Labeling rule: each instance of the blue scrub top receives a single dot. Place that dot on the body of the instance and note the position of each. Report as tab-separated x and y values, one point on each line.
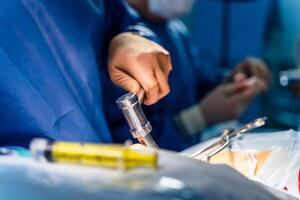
50	53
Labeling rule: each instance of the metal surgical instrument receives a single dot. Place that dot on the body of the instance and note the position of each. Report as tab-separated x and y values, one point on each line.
227	136
139	126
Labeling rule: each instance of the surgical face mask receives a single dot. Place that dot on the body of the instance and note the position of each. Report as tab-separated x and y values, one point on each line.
168	9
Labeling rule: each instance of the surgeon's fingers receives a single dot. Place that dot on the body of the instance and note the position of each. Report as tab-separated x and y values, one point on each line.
256	84
250	67
254	88
238	102
264	72
156	85
229	89
151	88
164	61
239	77
162	80
256	67
140	75
141	95
134	82
124	80
146	62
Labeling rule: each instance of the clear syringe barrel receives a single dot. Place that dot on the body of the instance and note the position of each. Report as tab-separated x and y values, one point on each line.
139	126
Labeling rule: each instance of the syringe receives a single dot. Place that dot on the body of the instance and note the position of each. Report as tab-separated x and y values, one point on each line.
103	155
139	126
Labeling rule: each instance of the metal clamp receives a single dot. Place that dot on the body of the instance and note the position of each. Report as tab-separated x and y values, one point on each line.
227	137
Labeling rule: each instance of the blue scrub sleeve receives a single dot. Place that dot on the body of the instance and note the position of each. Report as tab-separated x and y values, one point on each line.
122	18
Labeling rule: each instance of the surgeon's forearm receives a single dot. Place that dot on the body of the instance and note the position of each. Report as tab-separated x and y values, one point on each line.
191	120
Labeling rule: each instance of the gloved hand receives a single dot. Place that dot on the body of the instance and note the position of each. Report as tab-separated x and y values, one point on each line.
136	62
251	67
228	101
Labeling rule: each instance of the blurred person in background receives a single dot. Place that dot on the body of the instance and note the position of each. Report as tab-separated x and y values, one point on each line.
227	31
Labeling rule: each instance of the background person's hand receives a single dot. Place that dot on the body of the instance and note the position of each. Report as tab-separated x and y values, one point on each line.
251	67
228	101
136	63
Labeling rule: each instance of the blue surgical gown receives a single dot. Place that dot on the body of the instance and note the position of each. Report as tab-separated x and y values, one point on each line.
51	55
